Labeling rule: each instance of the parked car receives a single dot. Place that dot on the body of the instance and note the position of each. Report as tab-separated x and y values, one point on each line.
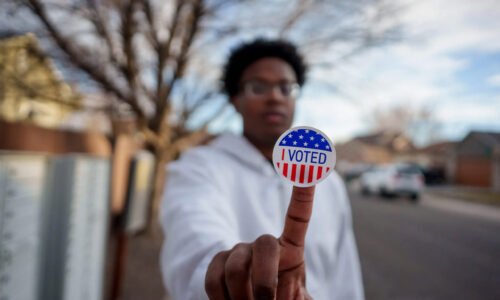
433	175
393	180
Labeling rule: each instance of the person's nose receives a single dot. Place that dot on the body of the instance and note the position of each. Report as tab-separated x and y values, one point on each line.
275	95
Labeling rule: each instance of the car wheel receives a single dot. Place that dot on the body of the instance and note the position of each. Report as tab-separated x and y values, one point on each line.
383	193
414	197
386	194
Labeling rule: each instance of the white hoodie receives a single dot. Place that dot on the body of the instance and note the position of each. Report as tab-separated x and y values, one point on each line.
226	193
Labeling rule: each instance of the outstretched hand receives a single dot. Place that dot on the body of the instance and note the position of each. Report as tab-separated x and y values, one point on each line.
268	268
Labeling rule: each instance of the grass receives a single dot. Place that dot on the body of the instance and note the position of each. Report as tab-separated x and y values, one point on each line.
479	196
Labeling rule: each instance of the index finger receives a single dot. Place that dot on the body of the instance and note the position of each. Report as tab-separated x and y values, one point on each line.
297	218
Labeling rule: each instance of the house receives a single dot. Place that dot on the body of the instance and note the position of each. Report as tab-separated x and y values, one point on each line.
476	160
30	88
357	154
433	156
433	159
375	148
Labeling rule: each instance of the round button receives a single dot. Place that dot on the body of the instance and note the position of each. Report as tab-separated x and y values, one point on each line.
304	156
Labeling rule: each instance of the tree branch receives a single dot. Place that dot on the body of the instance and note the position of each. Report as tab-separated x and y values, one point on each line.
193	19
163	54
150	17
128	31
77	57
302	7
102	30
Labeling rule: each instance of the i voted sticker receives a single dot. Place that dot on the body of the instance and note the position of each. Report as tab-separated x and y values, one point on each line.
304	156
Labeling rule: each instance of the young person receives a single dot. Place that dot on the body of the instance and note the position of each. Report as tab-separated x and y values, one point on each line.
233	228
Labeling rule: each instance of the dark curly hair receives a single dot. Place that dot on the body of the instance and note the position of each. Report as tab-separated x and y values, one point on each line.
247	53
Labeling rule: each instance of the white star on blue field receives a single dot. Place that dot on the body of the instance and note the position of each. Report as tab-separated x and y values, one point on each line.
306	138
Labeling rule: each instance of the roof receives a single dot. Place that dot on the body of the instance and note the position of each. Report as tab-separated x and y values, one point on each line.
479	143
437	148
488	138
396	142
357	151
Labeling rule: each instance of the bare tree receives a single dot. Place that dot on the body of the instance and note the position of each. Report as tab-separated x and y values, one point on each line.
156	59
418	123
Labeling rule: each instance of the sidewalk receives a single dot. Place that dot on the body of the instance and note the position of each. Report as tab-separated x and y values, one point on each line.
141	277
466	193
466	201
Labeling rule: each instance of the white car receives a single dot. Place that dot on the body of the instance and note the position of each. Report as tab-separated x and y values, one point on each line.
393	179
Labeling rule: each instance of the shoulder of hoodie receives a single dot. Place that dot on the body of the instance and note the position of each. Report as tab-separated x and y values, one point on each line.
336	185
206	156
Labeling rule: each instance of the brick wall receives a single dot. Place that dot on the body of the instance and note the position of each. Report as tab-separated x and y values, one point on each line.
27	137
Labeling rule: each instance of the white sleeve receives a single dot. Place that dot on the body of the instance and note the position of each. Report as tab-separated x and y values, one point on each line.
196	224
347	281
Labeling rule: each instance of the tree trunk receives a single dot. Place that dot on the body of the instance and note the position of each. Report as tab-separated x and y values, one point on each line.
162	156
164	153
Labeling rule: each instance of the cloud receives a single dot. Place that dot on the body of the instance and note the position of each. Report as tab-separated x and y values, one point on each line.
331	114
458	112
494	80
421	71
447	26
442	40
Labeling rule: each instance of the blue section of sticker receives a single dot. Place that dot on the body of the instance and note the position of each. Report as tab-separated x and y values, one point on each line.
306	138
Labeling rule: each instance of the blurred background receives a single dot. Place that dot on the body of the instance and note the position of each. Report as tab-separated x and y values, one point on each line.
97	96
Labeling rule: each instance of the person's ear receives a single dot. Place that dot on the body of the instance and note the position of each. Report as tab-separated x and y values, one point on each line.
236	102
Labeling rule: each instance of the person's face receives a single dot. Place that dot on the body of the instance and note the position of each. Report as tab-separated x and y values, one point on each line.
266	100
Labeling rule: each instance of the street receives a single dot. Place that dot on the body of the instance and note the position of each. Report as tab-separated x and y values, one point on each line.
407	251
414	251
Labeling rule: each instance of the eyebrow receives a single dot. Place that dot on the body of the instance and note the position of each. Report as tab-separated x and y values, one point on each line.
286	80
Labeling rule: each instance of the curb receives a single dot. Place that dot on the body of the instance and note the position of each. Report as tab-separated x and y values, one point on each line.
483	211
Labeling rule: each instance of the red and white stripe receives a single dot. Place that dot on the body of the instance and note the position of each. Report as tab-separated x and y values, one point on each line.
302	173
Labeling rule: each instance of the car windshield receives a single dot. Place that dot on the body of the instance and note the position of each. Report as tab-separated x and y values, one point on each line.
409	170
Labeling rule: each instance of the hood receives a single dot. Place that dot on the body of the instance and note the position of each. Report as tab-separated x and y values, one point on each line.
243	151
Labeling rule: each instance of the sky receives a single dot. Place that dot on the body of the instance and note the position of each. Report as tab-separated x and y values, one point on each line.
447	62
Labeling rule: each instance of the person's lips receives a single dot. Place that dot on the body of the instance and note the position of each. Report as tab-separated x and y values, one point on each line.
274	117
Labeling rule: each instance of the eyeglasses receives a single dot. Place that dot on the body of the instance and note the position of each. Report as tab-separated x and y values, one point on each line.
258	89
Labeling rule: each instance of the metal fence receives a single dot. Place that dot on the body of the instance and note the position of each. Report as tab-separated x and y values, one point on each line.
53	226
